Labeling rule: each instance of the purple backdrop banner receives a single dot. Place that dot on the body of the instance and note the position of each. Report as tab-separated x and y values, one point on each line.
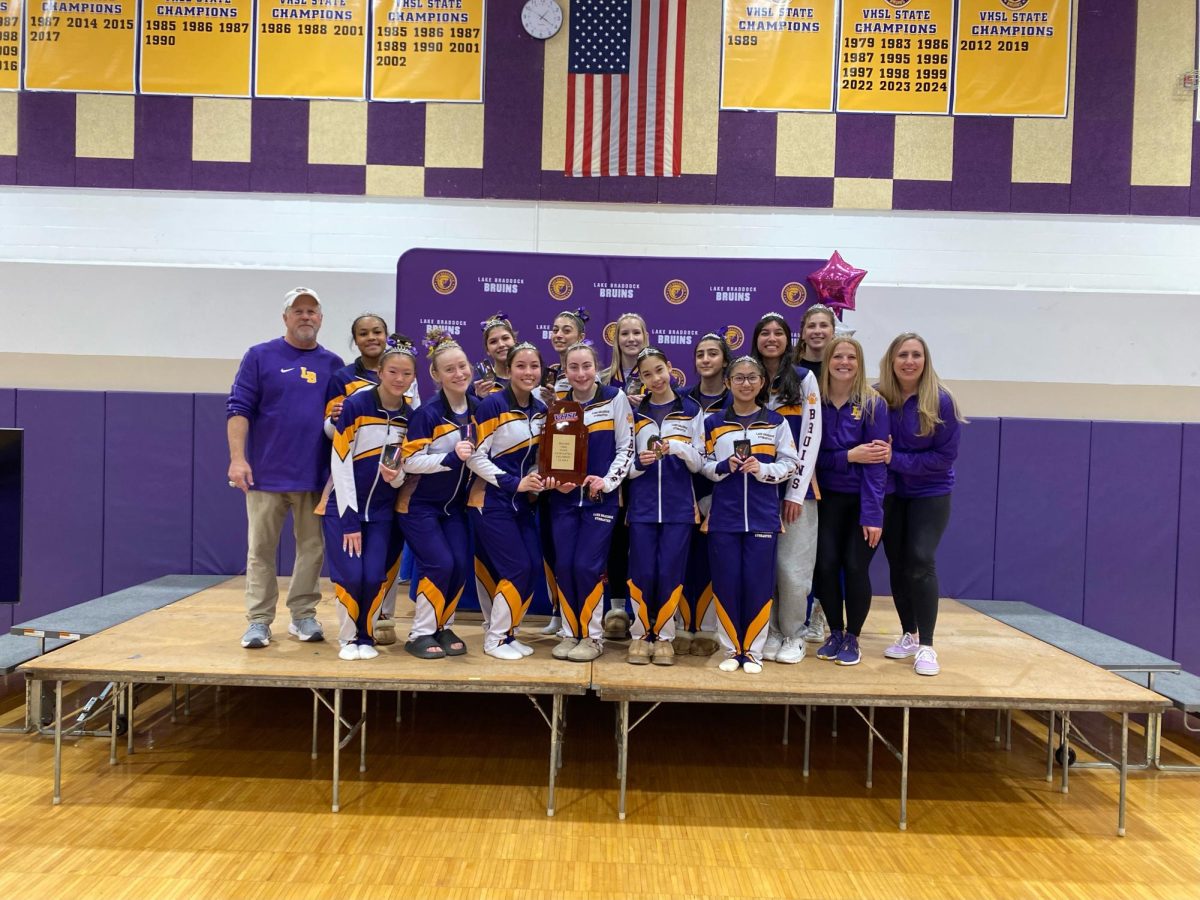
680	298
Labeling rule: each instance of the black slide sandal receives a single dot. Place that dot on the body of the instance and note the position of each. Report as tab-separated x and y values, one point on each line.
447	639
425	647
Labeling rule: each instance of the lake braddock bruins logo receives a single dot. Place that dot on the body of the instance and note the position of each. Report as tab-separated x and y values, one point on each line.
610	333
794	293
676	291
734	337
678	379
444	281
560	287
1015	4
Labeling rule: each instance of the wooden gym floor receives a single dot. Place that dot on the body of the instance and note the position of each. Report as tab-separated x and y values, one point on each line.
226	803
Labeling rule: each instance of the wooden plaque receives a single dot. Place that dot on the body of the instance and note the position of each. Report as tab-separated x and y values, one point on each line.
562	453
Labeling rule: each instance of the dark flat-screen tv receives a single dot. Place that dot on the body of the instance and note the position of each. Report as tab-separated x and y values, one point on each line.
12	480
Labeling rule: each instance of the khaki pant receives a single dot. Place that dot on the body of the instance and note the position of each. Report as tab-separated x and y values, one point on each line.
265	512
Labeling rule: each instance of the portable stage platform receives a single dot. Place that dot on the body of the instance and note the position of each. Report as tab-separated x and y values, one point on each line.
985	665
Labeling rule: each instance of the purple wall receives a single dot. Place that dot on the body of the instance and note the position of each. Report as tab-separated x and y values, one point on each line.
1086	519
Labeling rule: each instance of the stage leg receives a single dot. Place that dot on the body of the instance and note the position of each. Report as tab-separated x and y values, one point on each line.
787	714
187	699
808	714
1065	748
996	736
904	773
555	738
834	708
623	755
1008	729
337	742
399	694
314	727
1124	772
57	743
870	745
129	721
1050	751
362	736
112	726
174	703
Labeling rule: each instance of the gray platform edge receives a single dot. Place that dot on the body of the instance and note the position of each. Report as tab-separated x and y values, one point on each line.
1181	688
93	616
1099	649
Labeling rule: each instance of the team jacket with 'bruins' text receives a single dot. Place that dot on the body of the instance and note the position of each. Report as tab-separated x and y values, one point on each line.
609	422
507	450
435	474
359	492
804	420
662	491
742	502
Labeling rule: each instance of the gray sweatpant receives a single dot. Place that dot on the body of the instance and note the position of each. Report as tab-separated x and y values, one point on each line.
795	556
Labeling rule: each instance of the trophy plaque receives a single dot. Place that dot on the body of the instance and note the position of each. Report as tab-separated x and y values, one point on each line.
741	450
562	453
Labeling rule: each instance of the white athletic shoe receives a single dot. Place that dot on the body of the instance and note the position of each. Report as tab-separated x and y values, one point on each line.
751	668
905	646
523	649
366	651
504	651
350	651
729	665
553	625
771	647
791	652
814	631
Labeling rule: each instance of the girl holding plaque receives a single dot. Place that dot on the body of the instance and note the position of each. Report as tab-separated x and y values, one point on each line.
362	538
369	333
582	516
568	328
794	395
925	427
498	339
509	425
853	471
432	504
668	430
749	453
698	634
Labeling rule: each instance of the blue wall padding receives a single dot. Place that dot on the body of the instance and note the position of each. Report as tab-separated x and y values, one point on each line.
218	511
1187	578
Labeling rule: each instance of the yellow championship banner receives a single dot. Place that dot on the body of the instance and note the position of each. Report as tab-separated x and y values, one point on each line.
895	56
778	55
427	50
1011	57
311	48
10	45
81	46
197	47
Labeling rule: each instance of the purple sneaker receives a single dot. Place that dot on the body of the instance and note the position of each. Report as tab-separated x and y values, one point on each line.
829	650
849	655
904	647
926	662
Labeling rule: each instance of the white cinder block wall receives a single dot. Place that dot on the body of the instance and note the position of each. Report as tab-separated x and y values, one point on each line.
1051	299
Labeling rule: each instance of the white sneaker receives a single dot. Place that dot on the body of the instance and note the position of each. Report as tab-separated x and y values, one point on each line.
553	625
905	646
926	662
350	651
366	651
729	665
523	649
814	631
504	651
791	652
751	668
771	647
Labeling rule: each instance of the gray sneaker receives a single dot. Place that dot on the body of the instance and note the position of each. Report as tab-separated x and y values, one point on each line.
307	629
257	635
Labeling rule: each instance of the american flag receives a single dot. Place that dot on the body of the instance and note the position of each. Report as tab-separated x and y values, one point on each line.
625	87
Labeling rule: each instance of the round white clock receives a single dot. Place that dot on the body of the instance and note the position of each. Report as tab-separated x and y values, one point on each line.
541	18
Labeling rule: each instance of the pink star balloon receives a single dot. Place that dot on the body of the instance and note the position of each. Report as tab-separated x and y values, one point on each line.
837	282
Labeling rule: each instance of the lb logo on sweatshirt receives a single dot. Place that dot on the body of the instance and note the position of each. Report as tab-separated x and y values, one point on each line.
560	287
856	412
675	291
444	281
310	377
794	293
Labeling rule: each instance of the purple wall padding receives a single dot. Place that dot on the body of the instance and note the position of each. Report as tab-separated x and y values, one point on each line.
147	487
1187	579
8	407
1133	532
965	556
64	498
1041	514
218	511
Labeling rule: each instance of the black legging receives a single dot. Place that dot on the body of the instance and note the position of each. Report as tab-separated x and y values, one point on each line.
912	529
842	552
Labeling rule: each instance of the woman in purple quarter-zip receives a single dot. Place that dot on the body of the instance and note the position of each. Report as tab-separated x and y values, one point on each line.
925	430
852	468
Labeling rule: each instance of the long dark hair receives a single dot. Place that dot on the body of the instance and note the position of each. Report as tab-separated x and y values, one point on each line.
787	387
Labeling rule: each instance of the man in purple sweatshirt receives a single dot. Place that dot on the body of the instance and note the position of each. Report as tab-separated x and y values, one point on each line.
279	457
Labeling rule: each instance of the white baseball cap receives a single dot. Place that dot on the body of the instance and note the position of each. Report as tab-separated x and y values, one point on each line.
290	297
